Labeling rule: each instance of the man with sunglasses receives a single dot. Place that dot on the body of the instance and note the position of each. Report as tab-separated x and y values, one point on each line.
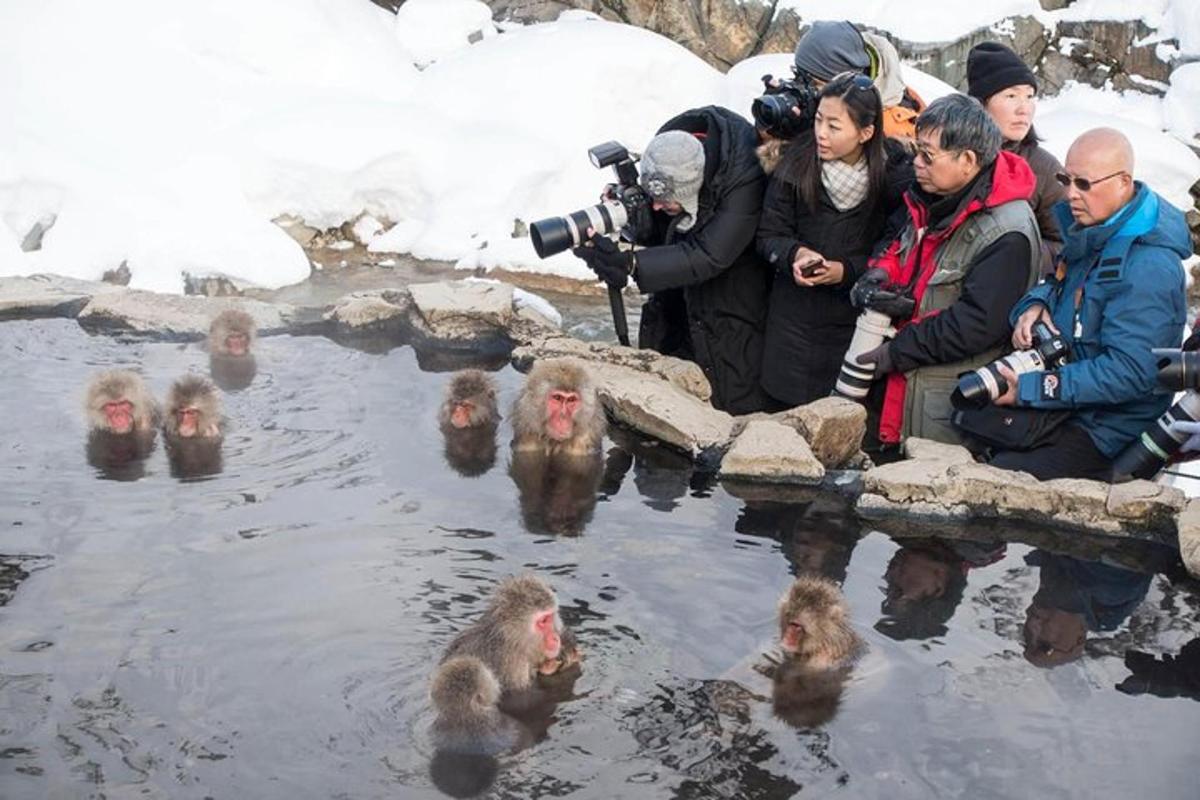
1118	292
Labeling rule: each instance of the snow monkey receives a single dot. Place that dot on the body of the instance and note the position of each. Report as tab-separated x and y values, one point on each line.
813	625
470	401
518	634
466	695
557	411
193	409
118	402
468	419
231	334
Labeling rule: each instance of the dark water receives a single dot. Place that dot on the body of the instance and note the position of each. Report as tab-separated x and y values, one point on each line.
268	631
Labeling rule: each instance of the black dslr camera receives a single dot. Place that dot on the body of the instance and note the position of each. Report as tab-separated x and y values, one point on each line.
625	209
982	386
786	108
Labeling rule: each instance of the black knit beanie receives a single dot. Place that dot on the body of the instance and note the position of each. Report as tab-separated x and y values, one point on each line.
992	67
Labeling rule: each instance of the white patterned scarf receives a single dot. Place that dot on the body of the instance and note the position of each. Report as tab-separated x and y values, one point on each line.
846	183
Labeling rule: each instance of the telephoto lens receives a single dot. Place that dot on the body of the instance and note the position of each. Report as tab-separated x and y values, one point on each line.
870	331
556	234
1147	454
1178	370
982	386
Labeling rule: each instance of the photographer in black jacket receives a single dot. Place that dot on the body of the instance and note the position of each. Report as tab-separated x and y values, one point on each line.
708	288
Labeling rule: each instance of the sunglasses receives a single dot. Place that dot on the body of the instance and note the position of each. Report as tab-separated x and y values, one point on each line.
1083	184
925	158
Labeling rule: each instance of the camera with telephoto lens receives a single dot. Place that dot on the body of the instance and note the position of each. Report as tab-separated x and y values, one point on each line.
625	208
982	386
870	330
786	108
1178	370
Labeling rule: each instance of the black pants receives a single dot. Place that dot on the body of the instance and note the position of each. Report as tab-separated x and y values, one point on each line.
1069	454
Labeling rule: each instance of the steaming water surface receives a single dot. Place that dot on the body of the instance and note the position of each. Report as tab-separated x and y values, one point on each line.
269	631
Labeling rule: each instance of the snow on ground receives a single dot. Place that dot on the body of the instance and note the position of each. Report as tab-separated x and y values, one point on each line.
167	134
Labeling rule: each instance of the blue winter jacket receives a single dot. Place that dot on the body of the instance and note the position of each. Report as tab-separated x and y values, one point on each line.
1133	300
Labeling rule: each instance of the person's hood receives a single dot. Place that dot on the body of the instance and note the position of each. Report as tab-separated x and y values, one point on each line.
886	64
1147	218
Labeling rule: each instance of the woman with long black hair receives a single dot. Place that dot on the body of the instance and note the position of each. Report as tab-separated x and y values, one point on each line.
827	202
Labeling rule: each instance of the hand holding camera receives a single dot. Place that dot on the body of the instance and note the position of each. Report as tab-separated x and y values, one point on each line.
1022	337
869	294
602	256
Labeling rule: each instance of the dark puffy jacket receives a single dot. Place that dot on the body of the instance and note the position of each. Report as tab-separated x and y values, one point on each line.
1119	294
709	287
1047	192
809	328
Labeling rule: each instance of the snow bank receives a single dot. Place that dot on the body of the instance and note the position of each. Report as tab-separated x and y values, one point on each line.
1162	161
432	29
1181	106
165	134
922	21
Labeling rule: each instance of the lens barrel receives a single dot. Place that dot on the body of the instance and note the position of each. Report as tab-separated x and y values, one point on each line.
1178	370
556	234
1147	454
870	330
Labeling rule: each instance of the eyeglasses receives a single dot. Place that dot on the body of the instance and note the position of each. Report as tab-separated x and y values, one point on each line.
925	158
1083	184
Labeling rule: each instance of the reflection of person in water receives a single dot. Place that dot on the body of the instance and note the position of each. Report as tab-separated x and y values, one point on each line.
817	537
1168	676
925	583
1075	597
557	493
660	475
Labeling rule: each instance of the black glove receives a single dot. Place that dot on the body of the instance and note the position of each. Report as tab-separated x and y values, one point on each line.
604	258
1192	342
868	293
881	357
866	286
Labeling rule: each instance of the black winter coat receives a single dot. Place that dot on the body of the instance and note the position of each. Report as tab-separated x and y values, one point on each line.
809	328
709	288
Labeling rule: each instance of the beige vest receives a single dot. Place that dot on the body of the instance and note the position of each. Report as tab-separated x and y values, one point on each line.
927	398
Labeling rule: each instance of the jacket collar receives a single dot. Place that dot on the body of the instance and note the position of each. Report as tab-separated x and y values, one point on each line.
1134	219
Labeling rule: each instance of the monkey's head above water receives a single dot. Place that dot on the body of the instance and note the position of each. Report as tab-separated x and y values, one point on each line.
193	408
232	333
813	624
470	401
558	406
119	402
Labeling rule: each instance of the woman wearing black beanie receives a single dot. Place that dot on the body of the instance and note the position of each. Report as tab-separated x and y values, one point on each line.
1001	81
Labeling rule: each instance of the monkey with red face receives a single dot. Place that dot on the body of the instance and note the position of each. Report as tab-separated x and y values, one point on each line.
193	409
468	419
123	418
118	402
557	412
517	635
230	350
813	625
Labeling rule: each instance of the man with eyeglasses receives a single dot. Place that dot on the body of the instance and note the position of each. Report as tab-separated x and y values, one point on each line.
968	251
1118	292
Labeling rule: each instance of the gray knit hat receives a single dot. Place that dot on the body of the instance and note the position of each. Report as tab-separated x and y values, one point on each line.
672	169
829	48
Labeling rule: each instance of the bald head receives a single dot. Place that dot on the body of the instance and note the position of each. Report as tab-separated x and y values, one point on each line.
1103	158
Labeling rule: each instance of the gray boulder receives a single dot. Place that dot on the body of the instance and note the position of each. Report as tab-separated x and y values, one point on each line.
1189	537
175	317
771	452
42	296
833	427
662	410
685	375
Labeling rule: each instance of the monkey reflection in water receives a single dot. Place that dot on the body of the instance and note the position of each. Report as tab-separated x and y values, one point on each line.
558	426
468	419
193	427
231	359
498	684
122	419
